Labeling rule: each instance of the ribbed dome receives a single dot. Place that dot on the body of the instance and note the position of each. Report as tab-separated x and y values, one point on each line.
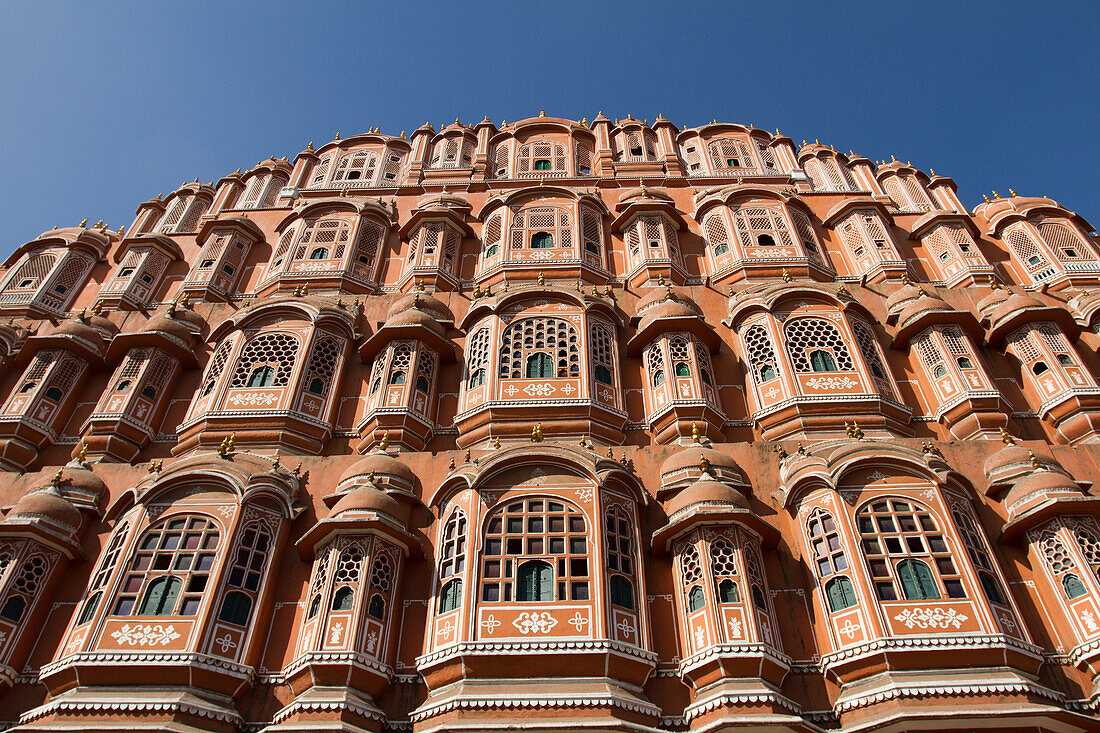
1045	482
81	330
47	504
422	302
418	318
171	326
706	492
82	479
689	459
903	295
659	296
380	464
1014	458
993	300
104	325
921	305
367	499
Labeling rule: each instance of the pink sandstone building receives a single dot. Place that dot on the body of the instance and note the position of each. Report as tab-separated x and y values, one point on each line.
569	426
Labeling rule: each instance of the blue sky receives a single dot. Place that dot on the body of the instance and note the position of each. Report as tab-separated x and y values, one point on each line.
103	107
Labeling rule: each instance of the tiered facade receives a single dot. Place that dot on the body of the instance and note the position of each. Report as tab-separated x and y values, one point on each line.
574	426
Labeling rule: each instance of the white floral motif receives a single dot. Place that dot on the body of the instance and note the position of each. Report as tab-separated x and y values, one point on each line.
735	627
700	636
535	622
831	382
226	511
226	642
625	628
490	623
849	629
372	641
447	630
1089	620
541	390
262	399
585	494
931	618
337	633
580	622
569	389
147	635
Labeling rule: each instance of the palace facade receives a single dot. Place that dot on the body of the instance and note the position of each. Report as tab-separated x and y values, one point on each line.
574	426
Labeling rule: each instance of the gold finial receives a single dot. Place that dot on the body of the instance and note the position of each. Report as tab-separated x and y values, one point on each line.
337	136
609	453
83	453
607	290
503	123
310	146
122	230
1006	438
97	309
584	122
729	291
595	290
801	450
986	198
466	457
580	288
477	290
645	191
402	135
385	442
893	159
370	477
542	113
83	223
298	291
786	276
1013	193
694	433
993	284
584	442
668	292
416	299
704	464
1035	462
780	451
905	279
99	224
275	460
452	466
496	442
542	278
172	309
857	431
83	315
996	195
536	433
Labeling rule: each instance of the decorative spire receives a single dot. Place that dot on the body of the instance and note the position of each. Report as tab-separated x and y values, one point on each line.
83	223
694	433
1034	459
542	278
704	464
786	276
536	433
83	453
1006	438
56	480
385	442
1013	193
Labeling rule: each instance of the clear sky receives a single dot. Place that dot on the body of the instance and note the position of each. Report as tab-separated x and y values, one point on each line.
103	107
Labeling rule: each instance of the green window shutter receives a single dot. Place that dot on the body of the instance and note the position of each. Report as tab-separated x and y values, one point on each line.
927	582
695	599
545	583
910	586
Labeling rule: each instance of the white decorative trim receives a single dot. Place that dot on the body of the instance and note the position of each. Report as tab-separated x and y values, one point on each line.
516	702
976	641
141	658
531	647
734	651
352	659
739	698
939	689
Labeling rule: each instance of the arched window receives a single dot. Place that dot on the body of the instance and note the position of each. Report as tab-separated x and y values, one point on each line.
758	347
917	583
658	377
815	345
266	361
217	365
717	235
107	564
619	536
723	570
356	166
840	593
554	338
169	569
540	156
536	549
24	586
343	599
452	556
542	240
261	376
376	608
450	596
601	353
825	544
691	573
161	596
535	581
729	153
868	347
1073	586
539	366
245	573
902	543
979	556
477	358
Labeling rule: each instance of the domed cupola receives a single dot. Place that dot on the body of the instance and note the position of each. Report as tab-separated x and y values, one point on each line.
1013	461
1041	495
380	469
1086	306
1003	311
689	464
650	225
911	309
